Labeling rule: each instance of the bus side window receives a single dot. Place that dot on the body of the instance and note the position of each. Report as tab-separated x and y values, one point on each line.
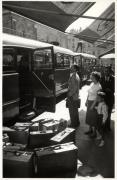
59	60
42	59
66	61
8	60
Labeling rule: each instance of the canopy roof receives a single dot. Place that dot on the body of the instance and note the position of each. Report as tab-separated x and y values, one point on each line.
49	13
100	29
108	56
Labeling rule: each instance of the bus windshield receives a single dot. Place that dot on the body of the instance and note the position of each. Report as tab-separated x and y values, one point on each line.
42	59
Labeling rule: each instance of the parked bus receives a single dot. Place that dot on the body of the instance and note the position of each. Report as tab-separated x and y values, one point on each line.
86	63
34	74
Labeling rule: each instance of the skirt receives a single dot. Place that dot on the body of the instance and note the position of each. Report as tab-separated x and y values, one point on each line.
91	115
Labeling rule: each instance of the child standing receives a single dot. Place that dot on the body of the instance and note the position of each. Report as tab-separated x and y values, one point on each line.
102	111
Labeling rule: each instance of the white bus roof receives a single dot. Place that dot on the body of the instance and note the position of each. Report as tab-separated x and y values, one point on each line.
58	49
85	55
13	40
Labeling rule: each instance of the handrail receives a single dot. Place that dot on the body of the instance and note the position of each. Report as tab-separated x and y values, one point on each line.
41	82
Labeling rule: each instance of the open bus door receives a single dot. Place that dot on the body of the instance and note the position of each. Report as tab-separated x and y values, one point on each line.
43	79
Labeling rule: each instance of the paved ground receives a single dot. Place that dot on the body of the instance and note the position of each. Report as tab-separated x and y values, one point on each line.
101	159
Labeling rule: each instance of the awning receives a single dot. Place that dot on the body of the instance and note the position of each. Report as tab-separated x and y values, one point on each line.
47	12
110	51
99	30
88	35
108	56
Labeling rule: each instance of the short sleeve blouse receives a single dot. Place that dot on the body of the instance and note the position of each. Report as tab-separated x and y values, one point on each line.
93	90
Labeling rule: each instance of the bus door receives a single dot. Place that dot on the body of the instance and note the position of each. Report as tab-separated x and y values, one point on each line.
43	79
10	86
25	86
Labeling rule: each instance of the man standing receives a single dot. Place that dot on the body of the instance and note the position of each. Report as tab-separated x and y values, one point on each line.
73	94
108	86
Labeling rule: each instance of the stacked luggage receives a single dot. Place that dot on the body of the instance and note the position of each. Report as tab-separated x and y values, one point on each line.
31	149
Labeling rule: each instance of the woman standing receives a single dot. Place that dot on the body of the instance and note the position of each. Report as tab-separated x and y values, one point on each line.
91	115
73	94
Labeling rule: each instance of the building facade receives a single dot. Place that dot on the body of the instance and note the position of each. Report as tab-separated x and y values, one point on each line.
19	25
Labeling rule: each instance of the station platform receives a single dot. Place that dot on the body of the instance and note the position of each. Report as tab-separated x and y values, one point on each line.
101	159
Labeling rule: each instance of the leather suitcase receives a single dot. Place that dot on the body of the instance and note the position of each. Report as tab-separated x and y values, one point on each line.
43	121
51	126
67	135
30	125
14	146
18	164
40	138
62	125
5	137
19	135
53	160
34	127
22	124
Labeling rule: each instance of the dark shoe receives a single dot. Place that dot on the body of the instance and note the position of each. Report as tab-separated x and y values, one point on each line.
88	132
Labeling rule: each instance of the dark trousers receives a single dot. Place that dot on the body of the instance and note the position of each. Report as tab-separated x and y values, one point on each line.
100	126
74	114
108	121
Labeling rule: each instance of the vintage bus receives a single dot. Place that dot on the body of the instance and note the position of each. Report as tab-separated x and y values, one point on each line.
86	62
34	74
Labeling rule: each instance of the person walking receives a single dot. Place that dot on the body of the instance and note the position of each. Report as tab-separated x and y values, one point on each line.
108	85
91	114
73	94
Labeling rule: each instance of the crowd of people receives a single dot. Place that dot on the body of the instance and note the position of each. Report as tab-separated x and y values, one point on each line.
99	103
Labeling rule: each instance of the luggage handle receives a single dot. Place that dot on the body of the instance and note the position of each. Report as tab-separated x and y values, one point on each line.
49	148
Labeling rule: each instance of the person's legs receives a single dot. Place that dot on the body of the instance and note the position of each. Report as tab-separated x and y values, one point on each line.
99	136
74	115
108	121
94	134
101	133
90	130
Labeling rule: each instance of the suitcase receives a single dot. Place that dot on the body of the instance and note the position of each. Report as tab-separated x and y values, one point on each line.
51	126
14	146
64	136
62	125
30	125
40	138
44	121
18	164
54	160
18	135
5	137
34	127
21	124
